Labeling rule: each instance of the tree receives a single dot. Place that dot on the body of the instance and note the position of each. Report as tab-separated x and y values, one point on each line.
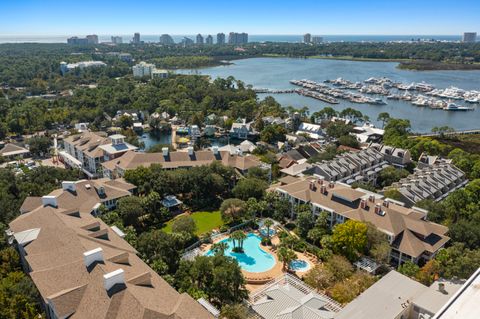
349	140
305	220
125	121
390	175
219	248
233	210
347	290
320	229
393	193
339	128
286	255
273	133
39	145
250	187
184	224
350	238
384	117
319	277
237	238
236	311
409	269
130	209
340	267
268	223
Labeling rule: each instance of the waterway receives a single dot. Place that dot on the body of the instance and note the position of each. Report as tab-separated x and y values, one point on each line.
275	73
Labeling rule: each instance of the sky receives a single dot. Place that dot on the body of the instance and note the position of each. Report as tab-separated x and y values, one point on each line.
333	17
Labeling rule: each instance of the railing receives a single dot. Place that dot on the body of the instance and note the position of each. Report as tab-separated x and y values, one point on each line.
461	132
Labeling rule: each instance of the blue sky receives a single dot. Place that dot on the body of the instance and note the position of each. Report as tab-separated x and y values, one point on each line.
387	17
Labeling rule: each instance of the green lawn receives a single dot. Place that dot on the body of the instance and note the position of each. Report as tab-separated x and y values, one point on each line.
206	221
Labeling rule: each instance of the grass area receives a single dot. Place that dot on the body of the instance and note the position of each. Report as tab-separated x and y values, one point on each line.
206	221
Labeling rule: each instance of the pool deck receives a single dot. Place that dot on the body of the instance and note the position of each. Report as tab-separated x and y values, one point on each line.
256	280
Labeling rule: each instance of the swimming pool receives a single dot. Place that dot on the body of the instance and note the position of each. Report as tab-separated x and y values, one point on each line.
263	231
254	259
299	265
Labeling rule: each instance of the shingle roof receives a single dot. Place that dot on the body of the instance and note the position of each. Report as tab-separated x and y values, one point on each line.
12	149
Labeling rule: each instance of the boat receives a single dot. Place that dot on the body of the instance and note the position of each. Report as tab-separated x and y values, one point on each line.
456	107
474	100
377	102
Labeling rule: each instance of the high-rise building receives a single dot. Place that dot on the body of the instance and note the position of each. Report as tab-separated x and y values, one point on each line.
220	38
307	38
166	39
136	38
117	40
187	42
143	69
92	39
199	39
317	40
77	41
209	39
237	38
469	37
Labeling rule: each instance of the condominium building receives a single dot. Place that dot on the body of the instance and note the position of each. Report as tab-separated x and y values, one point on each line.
209	39
432	182
116	40
77	41
187	42
92	39
469	37
136	38
237	38
395	156
317	40
180	159
67	67
83	268
166	39
199	39
242	130
220	38
88	150
143	69
411	236
307	38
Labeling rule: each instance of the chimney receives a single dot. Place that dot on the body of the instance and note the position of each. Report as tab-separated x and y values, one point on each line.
371	198
320	181
91	256
363	204
190	151
441	287
165	151
323	189
312	185
49	201
215	150
378	209
331	184
386	203
113	278
69	186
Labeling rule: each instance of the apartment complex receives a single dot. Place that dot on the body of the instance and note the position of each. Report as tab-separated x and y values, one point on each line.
469	37
237	38
67	67
116	39
220	38
166	39
317	40
411	236
180	159
144	69
89	39
209	40
430	182
88	150
307	38
199	39
395	156
136	38
83	268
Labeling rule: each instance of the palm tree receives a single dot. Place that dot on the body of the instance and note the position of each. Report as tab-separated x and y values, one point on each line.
238	236
219	248
286	255
268	223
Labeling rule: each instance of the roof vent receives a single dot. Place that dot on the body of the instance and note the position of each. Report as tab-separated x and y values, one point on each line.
91	256
363	204
144	279
215	150
113	278
165	151
69	186
49	201
88	186
190	151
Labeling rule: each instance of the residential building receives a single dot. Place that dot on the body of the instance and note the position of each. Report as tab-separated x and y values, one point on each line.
307	38
313	131
435	182
180	159
116	39
368	133
159	74
11	151
166	39
199	39
92	39
426	160
136	38
395	156
143	69
464	303
83	268
67	67
289	297
242	130
469	37
221	38
126	57
209	40
237	38
411	236
350	167
269	120
87	150
297	169
77	41
396	296
187	42
317	40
